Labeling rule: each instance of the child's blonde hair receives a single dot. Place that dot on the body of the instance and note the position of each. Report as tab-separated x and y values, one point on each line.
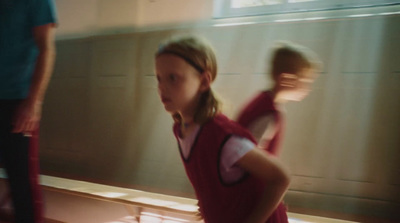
200	55
291	58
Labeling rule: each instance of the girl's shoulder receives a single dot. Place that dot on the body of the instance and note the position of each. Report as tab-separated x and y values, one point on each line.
221	121
222	124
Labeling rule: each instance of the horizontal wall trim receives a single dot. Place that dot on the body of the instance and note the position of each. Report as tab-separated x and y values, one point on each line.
341	196
374	12
343	204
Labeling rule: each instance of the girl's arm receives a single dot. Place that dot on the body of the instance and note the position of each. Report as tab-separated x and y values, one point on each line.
270	170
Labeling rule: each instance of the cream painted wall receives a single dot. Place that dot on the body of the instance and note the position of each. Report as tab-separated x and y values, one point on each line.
78	18
161	12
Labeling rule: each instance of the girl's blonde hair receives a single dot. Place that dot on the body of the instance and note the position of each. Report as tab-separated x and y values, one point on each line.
200	55
291	58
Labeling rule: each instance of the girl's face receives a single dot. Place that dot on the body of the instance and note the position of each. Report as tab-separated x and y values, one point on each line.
295	87
179	84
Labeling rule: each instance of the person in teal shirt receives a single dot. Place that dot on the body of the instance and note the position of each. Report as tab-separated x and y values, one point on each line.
27	54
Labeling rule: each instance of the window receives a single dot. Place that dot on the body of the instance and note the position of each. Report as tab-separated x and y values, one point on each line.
236	8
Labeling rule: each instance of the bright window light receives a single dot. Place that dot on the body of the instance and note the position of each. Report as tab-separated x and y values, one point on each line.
246	3
156	202
163	203
294	220
239	8
126	219
152	217
109	194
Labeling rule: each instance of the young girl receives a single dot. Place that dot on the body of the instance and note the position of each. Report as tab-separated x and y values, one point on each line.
233	181
293	69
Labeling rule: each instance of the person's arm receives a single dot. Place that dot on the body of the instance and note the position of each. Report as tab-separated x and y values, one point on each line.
28	114
264	130
259	127
276	178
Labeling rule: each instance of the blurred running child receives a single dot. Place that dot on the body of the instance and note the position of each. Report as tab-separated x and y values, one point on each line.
293	70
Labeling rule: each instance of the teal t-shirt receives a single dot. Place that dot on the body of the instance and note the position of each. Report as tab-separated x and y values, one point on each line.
18	51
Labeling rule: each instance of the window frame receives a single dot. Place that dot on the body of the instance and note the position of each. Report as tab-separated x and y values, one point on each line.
222	8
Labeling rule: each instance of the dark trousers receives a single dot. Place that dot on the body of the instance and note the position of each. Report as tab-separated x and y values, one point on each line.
19	157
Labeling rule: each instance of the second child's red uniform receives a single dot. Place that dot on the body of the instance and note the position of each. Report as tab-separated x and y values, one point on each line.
263	105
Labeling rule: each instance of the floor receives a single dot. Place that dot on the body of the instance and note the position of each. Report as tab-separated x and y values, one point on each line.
67	208
70	208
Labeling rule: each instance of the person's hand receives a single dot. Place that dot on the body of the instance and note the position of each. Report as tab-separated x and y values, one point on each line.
288	81
27	117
